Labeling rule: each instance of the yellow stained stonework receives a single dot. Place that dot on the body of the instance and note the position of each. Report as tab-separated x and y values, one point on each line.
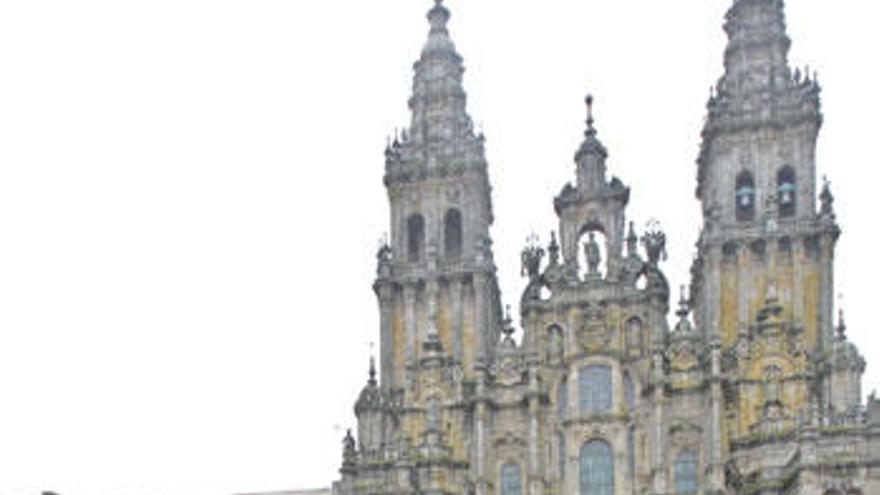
812	290
729	305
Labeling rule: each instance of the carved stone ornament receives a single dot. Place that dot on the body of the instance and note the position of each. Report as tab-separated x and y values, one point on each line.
685	434
507	371
594	333
683	356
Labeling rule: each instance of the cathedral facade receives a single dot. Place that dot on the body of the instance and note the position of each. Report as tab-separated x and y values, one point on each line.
743	384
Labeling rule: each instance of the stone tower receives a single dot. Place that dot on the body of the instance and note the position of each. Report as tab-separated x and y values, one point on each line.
763	281
751	388
438	273
440	312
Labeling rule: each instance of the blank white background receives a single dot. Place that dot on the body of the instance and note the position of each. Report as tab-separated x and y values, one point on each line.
191	199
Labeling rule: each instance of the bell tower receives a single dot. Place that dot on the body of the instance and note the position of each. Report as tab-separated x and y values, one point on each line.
437	271
763	281
762	234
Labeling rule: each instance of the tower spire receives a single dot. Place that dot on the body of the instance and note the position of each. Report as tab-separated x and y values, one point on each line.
592	154
756	57
440	131
438	17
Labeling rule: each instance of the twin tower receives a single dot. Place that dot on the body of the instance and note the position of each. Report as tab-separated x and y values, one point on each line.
752	389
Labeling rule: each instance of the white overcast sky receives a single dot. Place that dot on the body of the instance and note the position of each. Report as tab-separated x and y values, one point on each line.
191	198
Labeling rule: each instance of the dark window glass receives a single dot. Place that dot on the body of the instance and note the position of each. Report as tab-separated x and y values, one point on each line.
686	473
415	237
745	197
786	191
510	480
596	469
452	234
594	389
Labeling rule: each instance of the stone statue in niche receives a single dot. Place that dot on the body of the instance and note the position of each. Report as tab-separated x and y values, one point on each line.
594	256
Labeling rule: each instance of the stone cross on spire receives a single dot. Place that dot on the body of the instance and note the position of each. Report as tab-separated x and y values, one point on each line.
591	131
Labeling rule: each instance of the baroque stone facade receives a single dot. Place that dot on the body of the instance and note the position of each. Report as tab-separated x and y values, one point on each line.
754	388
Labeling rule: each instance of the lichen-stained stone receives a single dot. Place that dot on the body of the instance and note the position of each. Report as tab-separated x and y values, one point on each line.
755	388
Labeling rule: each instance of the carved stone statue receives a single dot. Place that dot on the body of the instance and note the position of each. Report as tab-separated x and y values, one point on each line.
531	267
348	446
655	245
531	262
594	256
827	198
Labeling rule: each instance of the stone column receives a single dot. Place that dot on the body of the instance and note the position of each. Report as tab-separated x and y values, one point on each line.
534	439
826	295
659	447
456	298
385	293
409	308
714	259
480	433
715	479
481	317
745	281
797	287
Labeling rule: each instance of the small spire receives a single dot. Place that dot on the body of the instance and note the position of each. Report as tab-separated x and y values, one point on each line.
683	304
372	381
841	326
632	240
553	249
508	323
591	131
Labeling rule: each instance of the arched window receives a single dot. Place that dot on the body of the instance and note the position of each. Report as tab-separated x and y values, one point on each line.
745	196
510	480
634	335
415	237
629	391
452	234
560	443
594	389
686	473
562	399
786	190
597	469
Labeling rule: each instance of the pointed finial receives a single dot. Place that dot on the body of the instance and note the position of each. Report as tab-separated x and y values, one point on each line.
683	304
507	328
372	380
841	326
632	240
553	249
590	120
